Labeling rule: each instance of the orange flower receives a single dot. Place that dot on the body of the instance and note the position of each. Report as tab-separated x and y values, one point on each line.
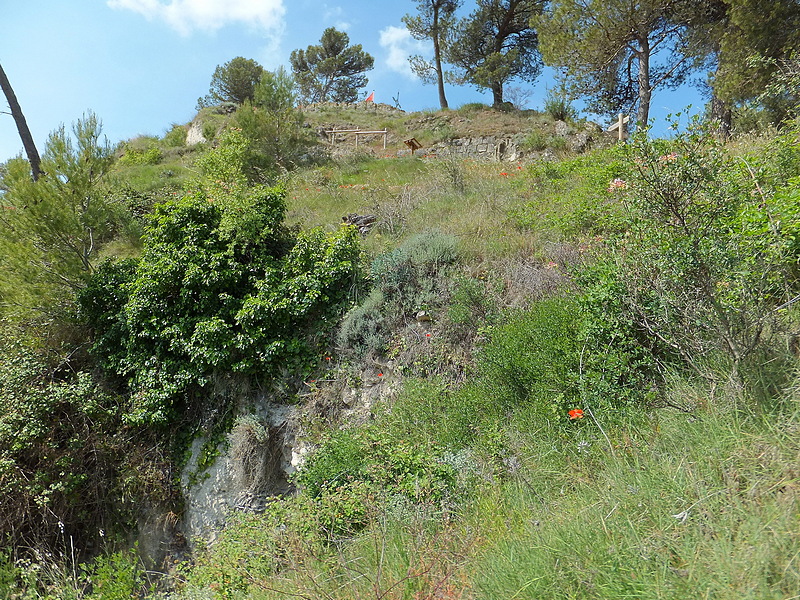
575	413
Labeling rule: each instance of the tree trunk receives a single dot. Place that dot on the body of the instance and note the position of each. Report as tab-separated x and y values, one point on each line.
721	116
22	125
645	91
497	95
721	112
437	57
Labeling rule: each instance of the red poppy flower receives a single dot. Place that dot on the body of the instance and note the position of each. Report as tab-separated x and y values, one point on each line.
575	413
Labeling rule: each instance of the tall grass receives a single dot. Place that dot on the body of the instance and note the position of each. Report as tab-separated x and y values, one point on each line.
708	507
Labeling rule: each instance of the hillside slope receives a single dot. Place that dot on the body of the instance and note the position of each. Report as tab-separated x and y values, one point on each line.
571	375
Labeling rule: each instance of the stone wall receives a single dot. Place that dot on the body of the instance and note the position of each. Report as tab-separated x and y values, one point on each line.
493	148
577	138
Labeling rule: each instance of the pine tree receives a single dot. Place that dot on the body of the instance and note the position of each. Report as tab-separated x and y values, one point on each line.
333	70
433	21
235	82
497	43
609	48
52	229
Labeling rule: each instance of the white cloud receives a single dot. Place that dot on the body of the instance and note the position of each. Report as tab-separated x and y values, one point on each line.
334	14
399	44
186	16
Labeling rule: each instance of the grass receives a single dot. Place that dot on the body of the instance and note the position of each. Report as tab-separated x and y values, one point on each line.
660	519
680	505
474	201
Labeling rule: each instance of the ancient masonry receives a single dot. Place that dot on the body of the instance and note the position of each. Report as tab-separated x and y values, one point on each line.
512	147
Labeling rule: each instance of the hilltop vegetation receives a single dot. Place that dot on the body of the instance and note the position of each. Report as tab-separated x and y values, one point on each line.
575	373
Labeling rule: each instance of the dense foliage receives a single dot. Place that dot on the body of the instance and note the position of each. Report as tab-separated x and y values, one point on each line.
58	450
496	44
53	228
274	128
710	253
235	82
222	286
573	377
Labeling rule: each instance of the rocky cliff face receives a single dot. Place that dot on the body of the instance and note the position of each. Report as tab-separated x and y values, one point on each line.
263	449
253	464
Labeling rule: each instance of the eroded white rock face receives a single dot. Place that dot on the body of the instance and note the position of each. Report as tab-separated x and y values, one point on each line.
262	451
252	467
195	134
207	495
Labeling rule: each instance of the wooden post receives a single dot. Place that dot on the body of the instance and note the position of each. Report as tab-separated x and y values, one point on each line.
619	126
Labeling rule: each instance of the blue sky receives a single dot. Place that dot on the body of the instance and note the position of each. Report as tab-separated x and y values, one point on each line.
141	65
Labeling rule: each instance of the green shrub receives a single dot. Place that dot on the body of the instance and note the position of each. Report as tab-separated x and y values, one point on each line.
406	280
53	228
210	129
472	107
559	107
101	304
536	141
58	451
134	156
534	358
222	286
389	466
573	196
704	265
622	364
117	576
175	137
364	329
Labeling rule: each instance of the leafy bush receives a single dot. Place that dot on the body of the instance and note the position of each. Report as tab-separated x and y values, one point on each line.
175	137
117	576
152	155
101	303
705	263
221	286
390	467
534	358
621	364
58	453
536	141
